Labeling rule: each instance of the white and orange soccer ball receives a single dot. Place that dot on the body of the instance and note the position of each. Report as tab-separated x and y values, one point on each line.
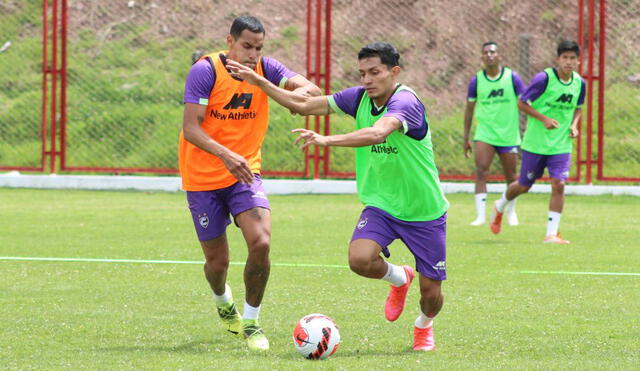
316	336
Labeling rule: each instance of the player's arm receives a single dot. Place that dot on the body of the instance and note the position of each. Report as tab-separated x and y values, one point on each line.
548	122
573	131
193	133
299	84
299	103
468	117
375	134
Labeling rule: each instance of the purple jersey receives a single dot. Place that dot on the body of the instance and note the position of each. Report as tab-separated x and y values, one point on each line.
403	105
539	84
202	78
472	91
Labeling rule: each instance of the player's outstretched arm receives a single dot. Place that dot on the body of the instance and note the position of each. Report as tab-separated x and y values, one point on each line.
300	85
193	133
298	103
548	122
375	134
468	117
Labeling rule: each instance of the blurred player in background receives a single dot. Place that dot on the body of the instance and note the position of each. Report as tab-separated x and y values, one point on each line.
553	103
396	177
224	125
493	99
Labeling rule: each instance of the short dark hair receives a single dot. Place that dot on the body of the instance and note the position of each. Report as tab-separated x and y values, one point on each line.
568	46
245	22
387	53
489	43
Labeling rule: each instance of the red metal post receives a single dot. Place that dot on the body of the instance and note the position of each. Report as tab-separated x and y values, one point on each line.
580	39
63	86
601	85
54	85
327	80
309	76
318	44
590	80
45	62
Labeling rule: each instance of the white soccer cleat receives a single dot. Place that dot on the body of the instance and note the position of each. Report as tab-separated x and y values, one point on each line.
477	222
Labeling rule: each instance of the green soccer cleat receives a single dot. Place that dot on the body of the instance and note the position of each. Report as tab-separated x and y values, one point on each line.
231	319
256	340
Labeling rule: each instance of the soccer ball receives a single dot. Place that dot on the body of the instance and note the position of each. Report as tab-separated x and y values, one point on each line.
316	336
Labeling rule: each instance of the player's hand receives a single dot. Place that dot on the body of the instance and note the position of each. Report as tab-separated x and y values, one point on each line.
242	72
573	132
308	138
467	148
238	167
550	123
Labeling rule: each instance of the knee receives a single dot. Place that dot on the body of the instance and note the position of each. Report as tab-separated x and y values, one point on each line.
482	171
259	245
431	293
557	187
218	264
358	264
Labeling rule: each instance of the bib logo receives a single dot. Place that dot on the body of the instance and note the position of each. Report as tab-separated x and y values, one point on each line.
565	98
496	93
239	100
203	220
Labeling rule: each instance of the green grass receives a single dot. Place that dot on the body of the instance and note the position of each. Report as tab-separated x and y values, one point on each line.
72	315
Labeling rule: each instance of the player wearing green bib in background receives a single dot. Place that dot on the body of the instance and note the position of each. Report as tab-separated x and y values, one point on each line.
553	103
492	98
396	177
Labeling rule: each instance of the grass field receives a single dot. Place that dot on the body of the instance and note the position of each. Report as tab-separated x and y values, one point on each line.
118	315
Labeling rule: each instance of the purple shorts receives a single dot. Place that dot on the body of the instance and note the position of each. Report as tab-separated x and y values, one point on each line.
533	165
503	149
210	209
425	240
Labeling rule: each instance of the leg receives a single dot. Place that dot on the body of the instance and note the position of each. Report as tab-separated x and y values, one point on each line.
509	160
255	224
365	259
431	298
483	155
558	166
216	255
556	203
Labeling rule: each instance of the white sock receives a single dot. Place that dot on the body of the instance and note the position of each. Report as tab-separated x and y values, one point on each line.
511	206
423	321
395	275
553	224
481	200
250	312
502	202
224	298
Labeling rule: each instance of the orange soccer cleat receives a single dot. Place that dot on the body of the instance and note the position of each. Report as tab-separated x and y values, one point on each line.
423	339
397	296
555	238
495	221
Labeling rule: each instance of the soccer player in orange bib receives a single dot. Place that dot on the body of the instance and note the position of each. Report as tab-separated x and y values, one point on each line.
224	124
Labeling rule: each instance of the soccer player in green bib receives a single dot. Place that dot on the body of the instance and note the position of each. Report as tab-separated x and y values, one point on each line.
493	98
553	103
396	177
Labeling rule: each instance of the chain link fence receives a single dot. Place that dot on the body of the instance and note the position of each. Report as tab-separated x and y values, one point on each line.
128	60
622	90
440	47
20	84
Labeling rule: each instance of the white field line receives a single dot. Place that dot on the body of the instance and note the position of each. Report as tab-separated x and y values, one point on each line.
144	261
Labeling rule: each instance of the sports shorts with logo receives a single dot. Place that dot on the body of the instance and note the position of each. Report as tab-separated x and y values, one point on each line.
210	209
532	167
503	149
425	240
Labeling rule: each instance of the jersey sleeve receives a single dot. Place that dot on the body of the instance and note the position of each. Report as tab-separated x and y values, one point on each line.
406	107
472	91
536	88
199	83
346	101
276	72
518	85
583	93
